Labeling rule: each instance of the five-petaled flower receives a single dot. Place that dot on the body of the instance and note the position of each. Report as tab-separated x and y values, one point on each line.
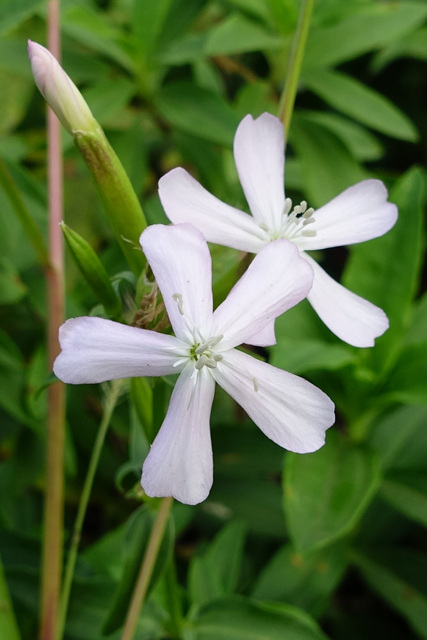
289	410
360	213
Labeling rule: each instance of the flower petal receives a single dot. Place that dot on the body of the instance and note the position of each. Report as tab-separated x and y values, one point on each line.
289	410
185	200
359	213
95	350
276	280
264	338
181	263
259	153
180	462
350	317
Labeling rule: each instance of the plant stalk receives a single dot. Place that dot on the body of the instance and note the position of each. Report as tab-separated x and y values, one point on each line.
146	570
53	514
287	100
110	404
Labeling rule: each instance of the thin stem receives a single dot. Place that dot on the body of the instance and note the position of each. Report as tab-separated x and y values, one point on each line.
146	570
287	99
110	404
53	515
21	209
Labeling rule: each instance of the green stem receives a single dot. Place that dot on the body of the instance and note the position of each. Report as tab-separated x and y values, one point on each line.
287	99
110	404
27	221
146	570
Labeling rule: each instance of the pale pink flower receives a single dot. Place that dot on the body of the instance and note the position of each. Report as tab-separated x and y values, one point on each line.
289	410
360	213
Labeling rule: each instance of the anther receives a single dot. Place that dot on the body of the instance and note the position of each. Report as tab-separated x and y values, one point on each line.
178	299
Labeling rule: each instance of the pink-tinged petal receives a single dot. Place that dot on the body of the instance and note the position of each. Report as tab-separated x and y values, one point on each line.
259	153
181	263
264	338
276	280
359	213
95	350
289	410
180	463
350	317
185	200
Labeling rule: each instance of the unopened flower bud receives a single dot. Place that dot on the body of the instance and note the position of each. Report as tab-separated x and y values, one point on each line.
59	91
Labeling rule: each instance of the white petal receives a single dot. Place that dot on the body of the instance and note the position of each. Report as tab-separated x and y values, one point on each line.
359	213
95	350
350	317
276	280
181	263
185	200
180	460
264	338
289	410
259	153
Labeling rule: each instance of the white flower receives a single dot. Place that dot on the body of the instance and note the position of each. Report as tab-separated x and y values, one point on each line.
289	410
59	91
359	213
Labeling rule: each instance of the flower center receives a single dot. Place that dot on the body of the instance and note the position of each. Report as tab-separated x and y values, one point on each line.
204	353
295	222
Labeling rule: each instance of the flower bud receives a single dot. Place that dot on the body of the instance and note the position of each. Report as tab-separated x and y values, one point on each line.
59	91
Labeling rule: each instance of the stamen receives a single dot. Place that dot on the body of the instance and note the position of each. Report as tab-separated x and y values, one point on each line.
201	362
255	383
287	207
211	363
178	299
308	233
218	357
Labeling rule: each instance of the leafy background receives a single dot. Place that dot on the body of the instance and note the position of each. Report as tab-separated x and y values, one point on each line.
325	545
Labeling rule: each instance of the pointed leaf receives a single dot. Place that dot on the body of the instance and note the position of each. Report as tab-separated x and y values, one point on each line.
361	103
406	491
399	577
239	617
373	271
327	492
139	528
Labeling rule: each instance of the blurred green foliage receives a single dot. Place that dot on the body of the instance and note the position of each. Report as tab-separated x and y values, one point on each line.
338	549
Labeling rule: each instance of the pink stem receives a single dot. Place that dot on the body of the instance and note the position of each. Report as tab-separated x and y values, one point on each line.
53	516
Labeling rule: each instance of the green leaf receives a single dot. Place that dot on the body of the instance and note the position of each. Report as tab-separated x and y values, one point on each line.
399	577
197	111
8	627
12	289
377	24
298	356
237	34
374	273
13	12
215	573
361	143
139	529
327	492
147	22
305	580
239	617
361	103
90	28
408	379
406	491
327	167
93	271
400	438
